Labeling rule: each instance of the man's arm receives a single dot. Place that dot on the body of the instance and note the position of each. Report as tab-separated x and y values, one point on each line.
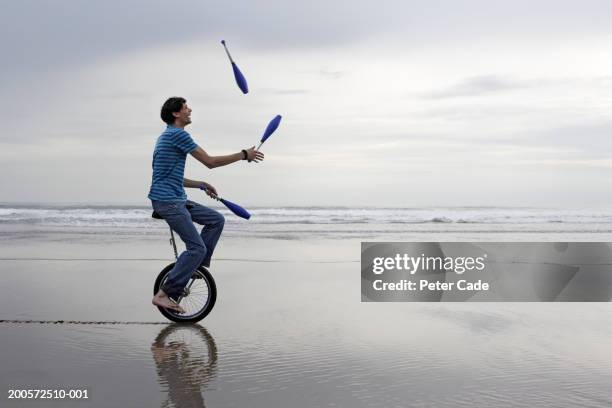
217	161
210	189
192	183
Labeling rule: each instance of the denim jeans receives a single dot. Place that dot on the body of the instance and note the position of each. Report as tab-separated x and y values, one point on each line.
180	216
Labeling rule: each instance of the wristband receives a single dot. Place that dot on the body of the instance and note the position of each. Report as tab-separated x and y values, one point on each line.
244	154
202	186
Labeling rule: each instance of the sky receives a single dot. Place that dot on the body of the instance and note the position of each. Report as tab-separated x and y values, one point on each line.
391	103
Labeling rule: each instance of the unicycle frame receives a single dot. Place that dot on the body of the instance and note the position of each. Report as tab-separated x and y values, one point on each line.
200	273
173	242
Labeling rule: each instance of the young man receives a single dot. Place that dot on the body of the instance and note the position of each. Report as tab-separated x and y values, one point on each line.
169	200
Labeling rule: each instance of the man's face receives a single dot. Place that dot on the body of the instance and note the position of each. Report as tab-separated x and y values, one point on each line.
183	117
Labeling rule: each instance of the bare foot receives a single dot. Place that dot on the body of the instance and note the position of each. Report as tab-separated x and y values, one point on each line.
162	300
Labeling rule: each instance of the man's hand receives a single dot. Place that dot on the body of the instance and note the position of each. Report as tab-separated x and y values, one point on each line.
254	155
210	190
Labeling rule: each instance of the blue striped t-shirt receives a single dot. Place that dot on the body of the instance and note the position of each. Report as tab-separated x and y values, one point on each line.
169	156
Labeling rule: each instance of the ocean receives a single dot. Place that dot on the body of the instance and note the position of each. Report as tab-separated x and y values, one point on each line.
298	223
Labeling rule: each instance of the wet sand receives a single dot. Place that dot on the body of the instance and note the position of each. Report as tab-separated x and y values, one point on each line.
292	332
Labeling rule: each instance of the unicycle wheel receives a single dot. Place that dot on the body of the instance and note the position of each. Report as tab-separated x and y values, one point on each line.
198	297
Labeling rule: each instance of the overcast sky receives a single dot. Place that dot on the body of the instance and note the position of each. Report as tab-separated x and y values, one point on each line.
391	103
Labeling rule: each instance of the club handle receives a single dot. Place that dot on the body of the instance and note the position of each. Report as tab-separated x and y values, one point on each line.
226	51
204	189
259	145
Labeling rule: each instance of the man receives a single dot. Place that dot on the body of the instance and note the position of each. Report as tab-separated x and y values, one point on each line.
169	200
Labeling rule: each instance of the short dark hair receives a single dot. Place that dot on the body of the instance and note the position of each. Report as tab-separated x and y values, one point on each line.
172	105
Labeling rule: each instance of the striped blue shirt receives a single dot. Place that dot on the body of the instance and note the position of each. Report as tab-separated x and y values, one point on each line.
171	150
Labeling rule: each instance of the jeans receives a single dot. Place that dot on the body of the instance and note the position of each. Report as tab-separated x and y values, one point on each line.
180	216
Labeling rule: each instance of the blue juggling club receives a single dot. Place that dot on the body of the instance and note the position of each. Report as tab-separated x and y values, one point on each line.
240	79
272	126
233	207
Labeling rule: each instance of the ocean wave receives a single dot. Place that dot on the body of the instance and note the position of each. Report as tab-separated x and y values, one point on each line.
139	217
441	219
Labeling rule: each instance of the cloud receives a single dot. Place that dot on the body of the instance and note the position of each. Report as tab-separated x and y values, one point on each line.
122	94
590	139
38	36
329	73
85	81
483	85
284	91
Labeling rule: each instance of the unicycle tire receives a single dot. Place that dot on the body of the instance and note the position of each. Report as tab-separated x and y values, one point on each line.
198	302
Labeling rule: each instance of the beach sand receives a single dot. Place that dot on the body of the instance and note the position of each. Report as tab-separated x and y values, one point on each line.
288	329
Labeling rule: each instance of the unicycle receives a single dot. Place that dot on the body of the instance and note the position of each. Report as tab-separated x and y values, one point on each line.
199	295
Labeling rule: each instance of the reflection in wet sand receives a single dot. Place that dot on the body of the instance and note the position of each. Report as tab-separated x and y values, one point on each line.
186	360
